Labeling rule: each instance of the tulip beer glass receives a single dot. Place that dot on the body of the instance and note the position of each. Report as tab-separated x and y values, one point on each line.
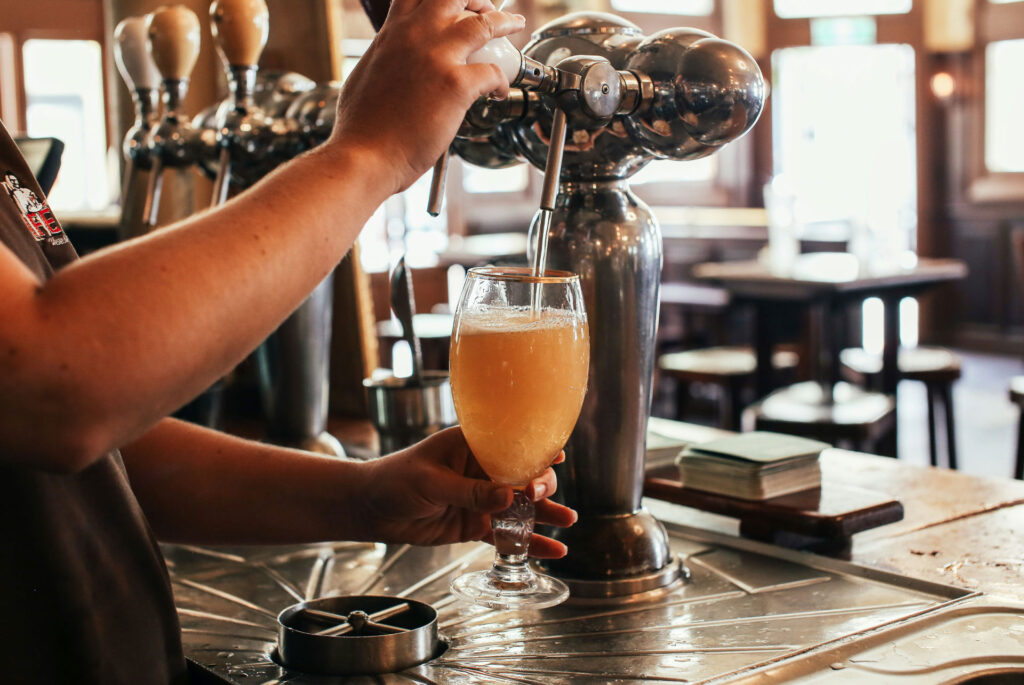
520	356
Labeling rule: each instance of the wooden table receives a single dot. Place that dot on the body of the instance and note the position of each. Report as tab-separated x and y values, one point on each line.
957	529
826	284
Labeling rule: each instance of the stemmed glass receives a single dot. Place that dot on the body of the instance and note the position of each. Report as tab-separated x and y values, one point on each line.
520	356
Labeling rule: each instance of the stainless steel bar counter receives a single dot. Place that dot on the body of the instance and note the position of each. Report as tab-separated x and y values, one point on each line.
935	598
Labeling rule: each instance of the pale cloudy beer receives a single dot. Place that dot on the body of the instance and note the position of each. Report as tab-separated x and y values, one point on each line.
518	378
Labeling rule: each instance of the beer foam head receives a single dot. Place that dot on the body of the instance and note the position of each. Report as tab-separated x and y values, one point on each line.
515	319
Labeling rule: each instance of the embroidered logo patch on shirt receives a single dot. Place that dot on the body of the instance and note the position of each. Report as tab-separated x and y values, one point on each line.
38	217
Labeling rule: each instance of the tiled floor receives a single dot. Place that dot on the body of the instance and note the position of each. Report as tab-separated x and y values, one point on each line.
986	420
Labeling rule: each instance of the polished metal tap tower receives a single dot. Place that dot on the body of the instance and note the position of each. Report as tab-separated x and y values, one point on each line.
236	142
615	101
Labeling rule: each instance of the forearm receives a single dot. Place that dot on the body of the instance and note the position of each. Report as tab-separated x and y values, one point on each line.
204	487
129	334
114	342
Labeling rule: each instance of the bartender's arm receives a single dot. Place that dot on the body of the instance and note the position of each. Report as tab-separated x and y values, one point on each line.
113	342
203	487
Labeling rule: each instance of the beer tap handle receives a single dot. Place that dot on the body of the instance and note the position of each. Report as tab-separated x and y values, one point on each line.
240	30
140	75
520	70
131	53
174	39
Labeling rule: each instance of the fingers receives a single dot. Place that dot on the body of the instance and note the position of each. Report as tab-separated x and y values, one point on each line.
540	547
555	514
542	486
480	6
473	30
546	548
452	489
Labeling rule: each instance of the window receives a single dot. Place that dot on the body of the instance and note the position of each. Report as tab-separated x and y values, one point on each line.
512	179
690	7
671	171
1004	101
64	99
792	9
851	164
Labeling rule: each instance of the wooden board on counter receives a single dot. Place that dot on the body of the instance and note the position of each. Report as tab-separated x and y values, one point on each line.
833	512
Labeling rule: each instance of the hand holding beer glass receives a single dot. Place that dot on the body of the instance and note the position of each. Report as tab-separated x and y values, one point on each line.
520	356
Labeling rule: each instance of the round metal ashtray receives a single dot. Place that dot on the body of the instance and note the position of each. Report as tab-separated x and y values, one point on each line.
357	635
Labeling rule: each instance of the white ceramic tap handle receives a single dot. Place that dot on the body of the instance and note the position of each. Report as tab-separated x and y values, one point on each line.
131	52
500	51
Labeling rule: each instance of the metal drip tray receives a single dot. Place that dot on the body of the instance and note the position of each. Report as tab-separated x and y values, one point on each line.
752	613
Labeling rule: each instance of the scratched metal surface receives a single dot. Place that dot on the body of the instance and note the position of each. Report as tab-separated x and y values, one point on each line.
748	607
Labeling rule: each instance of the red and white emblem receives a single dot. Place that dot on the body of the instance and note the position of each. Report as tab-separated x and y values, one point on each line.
38	217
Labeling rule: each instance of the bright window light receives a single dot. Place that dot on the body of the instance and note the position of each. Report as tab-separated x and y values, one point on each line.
873	324
401	359
64	100
849	162
671	171
689	7
1004	100
790	9
909	322
511	179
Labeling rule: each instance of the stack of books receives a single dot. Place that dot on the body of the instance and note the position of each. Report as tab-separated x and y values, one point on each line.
752	466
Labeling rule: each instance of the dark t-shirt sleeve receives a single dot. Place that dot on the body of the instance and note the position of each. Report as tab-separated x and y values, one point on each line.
86	596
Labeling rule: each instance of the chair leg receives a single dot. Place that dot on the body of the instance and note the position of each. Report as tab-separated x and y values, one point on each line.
682	394
728	411
947	401
735	406
932	437
1018	471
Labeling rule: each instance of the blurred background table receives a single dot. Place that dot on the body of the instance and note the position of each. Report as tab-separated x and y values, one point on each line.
825	285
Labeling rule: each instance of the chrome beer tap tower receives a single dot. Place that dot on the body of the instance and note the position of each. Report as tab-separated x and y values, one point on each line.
606	102
592	102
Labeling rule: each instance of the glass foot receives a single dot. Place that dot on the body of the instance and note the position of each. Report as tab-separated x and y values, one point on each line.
485	588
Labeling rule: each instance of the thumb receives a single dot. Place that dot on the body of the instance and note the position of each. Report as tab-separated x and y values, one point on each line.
474	494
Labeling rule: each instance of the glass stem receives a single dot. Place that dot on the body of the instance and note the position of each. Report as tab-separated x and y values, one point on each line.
512	530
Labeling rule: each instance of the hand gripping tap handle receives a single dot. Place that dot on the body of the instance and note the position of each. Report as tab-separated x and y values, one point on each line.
521	71
240	30
174	39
